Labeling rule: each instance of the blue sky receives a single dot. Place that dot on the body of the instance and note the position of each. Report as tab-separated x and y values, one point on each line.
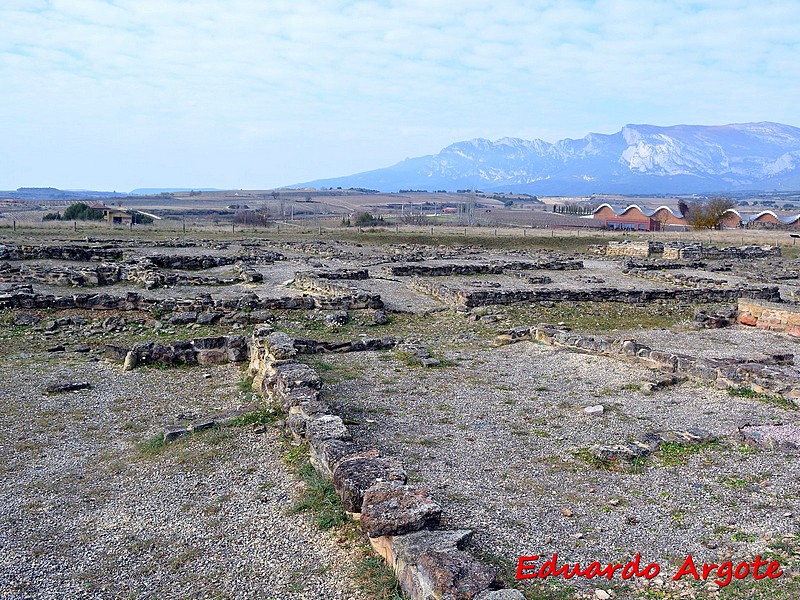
254	94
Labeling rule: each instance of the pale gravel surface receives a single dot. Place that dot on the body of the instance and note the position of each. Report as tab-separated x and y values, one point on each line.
84	515
493	437
730	342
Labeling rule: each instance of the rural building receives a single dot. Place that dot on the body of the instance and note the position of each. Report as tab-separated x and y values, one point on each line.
634	218
769	220
117	216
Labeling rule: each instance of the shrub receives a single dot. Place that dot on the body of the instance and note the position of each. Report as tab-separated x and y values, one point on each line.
80	211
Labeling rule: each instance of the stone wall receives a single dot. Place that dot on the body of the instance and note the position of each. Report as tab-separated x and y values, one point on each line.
307	280
26	298
494	268
696	250
90	275
771	316
632	248
400	519
66	252
229	348
770	376
463	299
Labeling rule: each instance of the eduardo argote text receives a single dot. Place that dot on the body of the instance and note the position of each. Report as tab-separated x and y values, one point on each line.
722	574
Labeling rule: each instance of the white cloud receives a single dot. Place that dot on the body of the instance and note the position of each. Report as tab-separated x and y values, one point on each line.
330	88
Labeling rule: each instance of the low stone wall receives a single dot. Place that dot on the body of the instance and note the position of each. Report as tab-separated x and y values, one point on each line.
65	252
678	279
493	268
190	262
343	274
148	274
632	248
307	280
768	376
771	316
92	275
696	250
228	348
661	265
400	519
464	299
134	301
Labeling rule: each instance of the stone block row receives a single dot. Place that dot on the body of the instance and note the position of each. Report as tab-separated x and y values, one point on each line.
773	374
400	519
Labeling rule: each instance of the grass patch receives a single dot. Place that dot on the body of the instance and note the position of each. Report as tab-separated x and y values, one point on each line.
780	401
674	453
320	498
152	446
261	416
376	578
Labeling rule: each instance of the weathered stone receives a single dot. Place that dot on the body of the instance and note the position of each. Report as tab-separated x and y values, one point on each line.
212	357
378	318
326	427
208	318
390	508
292	375
429	564
173	432
25	319
67	386
326	454
354	476
202	424
115	353
297	396
280	346
210	343
130	361
784	437
184	318
336	319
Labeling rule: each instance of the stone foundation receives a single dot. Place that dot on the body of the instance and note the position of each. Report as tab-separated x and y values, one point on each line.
400	519
769	376
696	250
784	318
25	298
464	299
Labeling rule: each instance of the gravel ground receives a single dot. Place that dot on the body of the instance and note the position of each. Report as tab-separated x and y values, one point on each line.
730	342
85	514
494	436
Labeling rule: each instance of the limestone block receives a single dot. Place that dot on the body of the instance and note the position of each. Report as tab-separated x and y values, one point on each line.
390	508
326	427
429	564
354	476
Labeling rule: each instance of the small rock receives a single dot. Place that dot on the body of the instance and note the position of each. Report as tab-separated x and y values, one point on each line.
601	594
614	502
59	348
130	361
379	318
597	409
336	319
67	386
566	512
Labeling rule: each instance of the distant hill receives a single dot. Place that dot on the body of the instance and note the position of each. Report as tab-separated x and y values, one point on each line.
639	159
150	191
50	193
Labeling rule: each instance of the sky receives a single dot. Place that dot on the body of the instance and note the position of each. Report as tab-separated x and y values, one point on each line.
256	94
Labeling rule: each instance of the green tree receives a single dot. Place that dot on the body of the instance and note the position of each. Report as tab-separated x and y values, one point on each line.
80	211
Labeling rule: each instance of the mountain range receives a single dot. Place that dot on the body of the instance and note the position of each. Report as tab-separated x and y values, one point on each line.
638	159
